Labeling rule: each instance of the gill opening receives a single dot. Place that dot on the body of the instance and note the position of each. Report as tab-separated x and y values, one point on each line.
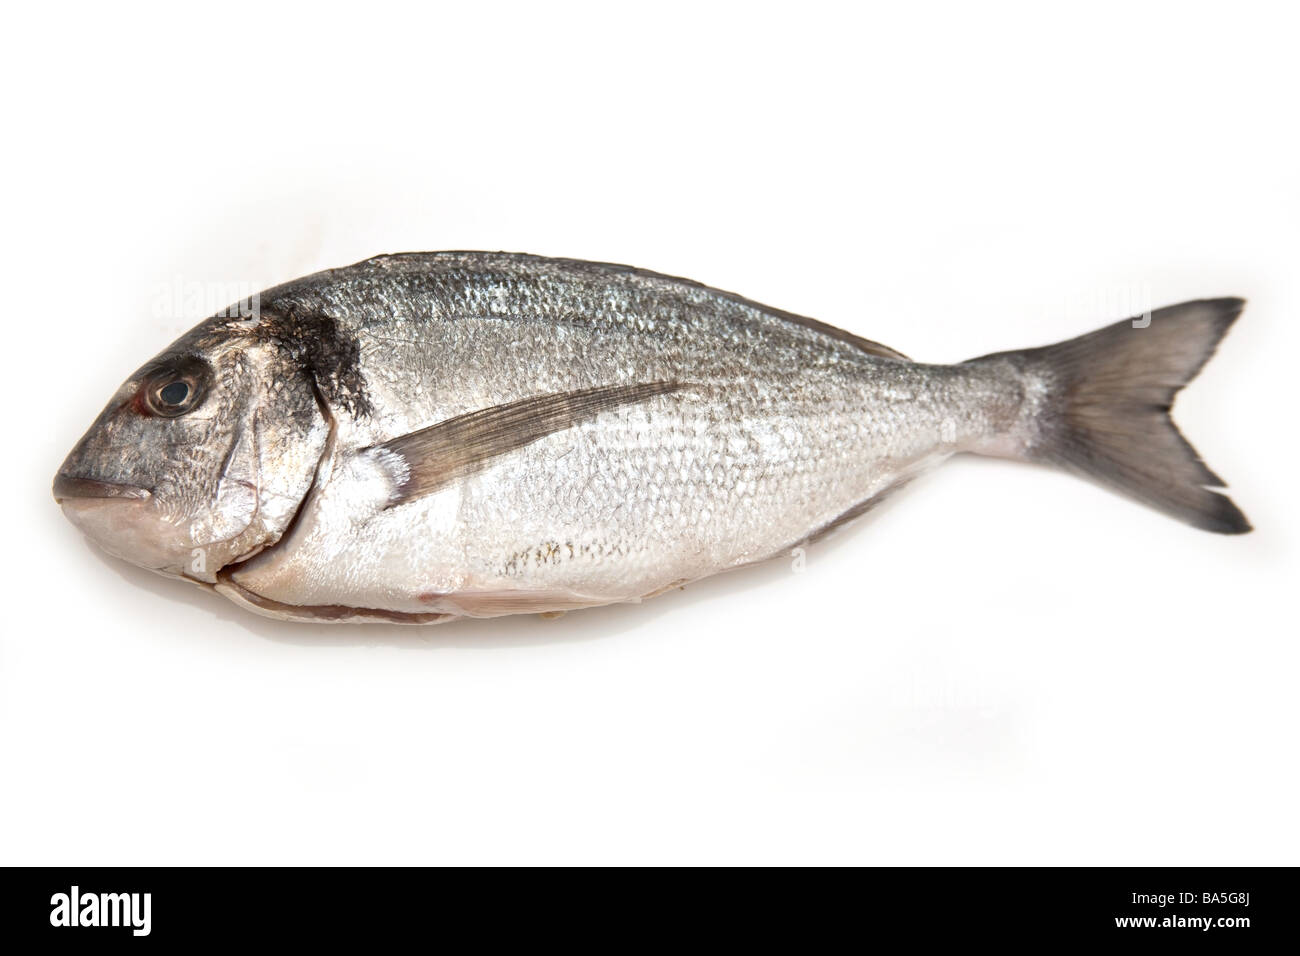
318	478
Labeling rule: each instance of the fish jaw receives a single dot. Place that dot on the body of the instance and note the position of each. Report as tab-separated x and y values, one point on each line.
117	517
67	486
129	528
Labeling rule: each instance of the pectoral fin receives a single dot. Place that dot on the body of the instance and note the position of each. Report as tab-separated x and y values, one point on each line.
433	457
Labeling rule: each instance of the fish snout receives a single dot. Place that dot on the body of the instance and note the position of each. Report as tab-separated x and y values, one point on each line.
124	520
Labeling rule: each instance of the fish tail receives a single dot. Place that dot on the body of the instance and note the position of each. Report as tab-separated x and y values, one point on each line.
1099	406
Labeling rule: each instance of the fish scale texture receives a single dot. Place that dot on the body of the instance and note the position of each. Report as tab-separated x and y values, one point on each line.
778	429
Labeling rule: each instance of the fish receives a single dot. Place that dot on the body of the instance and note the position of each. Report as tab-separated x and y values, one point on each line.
422	437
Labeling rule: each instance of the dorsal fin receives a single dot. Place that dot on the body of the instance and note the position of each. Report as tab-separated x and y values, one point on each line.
857	341
422	261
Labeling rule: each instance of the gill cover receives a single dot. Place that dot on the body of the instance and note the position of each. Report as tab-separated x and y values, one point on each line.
201	458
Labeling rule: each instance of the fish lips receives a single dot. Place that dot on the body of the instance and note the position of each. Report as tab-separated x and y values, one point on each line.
69	486
124	521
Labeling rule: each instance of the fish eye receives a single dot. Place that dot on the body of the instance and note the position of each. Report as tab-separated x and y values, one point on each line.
171	392
174	393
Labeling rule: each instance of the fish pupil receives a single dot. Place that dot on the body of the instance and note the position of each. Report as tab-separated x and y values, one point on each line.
174	393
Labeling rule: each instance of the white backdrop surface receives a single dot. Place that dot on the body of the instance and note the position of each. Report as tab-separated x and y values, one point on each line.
1002	665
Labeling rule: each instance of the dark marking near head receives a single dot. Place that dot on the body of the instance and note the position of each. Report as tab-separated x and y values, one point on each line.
327	353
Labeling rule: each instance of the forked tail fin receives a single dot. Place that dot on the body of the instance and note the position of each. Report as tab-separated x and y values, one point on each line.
1103	409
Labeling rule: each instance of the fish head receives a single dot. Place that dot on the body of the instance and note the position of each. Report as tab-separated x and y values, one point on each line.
201	458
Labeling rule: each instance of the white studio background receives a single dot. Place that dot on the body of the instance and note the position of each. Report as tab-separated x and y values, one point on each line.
1003	665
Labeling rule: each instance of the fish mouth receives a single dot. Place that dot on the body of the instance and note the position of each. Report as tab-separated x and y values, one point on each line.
68	486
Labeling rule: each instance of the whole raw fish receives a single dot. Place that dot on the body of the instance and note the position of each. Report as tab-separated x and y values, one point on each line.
427	436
